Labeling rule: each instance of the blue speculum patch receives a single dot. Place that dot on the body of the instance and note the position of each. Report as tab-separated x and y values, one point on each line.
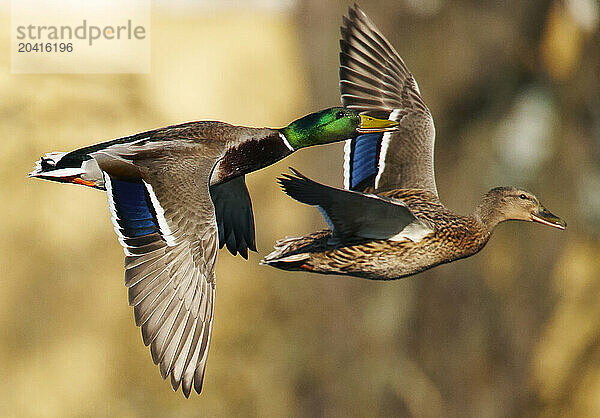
134	211
364	159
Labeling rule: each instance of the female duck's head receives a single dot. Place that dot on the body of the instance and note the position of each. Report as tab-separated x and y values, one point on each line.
332	125
510	203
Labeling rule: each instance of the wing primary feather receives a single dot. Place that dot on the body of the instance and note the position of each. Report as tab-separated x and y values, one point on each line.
166	223
374	78
235	220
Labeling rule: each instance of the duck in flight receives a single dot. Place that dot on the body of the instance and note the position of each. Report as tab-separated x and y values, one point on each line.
176	195
388	222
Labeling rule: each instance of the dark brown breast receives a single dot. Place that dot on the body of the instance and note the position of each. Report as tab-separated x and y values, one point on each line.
255	151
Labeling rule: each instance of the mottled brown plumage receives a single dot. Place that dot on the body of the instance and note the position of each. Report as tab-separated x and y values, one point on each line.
389	223
451	237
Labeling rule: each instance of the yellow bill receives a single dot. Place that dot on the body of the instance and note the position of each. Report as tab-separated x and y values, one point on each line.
370	124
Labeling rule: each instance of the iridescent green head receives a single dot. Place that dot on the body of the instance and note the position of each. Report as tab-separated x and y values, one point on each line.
332	125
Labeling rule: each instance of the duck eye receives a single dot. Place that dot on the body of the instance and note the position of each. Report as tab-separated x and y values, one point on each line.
523	196
339	115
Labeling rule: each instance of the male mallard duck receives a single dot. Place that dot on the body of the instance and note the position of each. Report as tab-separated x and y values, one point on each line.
389	222
173	193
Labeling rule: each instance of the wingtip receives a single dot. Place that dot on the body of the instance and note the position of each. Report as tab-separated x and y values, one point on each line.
232	248
359	10
297	174
186	387
352	11
164	372
198	382
285	179
354	8
175	383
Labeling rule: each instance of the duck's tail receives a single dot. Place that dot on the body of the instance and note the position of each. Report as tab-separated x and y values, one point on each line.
53	166
295	253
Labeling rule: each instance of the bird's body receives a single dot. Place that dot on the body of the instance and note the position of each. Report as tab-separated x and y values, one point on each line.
175	194
388	222
238	150
445	237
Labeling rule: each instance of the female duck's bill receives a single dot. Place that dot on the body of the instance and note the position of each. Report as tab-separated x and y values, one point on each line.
544	216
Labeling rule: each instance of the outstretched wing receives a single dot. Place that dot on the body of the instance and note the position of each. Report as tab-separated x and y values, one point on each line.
235	220
374	79
162	212
354	214
231	199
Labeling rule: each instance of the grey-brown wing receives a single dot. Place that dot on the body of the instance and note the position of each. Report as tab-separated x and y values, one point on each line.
354	214
166	223
374	79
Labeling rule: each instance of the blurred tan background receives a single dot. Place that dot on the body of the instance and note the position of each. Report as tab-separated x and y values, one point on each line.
511	332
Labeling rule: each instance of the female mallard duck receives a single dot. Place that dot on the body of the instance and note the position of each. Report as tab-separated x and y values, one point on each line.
390	223
173	193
